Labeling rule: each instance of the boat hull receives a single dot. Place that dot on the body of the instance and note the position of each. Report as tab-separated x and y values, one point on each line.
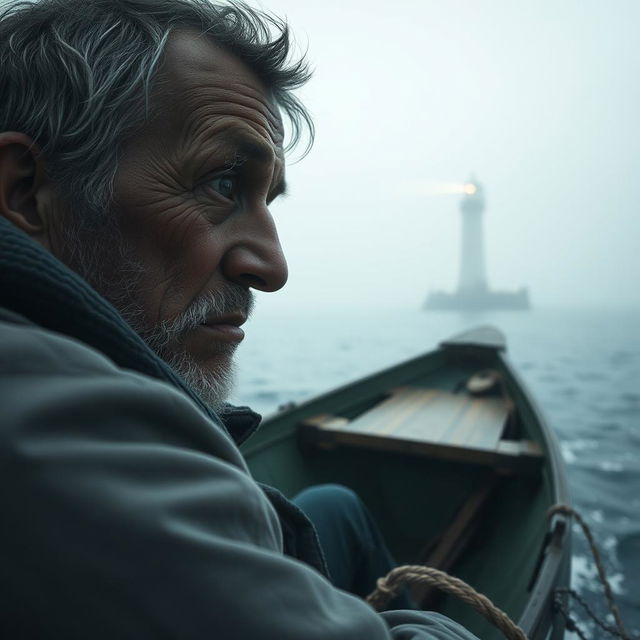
509	550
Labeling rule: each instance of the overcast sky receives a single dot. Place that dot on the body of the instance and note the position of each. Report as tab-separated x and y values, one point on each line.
540	100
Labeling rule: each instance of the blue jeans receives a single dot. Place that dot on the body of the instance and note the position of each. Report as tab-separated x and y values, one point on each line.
354	549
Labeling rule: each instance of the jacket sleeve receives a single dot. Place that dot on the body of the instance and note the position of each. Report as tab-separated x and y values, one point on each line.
127	514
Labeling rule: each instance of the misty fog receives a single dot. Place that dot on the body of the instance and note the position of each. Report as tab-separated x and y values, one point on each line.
540	101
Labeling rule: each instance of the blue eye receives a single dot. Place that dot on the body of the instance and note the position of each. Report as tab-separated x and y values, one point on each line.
225	185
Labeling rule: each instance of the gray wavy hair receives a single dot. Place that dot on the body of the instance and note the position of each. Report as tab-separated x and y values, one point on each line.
76	75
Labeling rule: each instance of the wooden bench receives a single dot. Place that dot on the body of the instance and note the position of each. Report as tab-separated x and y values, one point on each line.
433	423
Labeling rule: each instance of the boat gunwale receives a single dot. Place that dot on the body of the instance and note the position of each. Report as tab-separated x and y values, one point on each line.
558	549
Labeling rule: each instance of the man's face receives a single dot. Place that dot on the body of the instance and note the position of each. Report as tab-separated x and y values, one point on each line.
191	204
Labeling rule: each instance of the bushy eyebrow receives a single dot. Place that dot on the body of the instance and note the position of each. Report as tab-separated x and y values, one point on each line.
244	149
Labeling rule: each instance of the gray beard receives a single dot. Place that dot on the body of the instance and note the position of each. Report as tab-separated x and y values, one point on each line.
166	339
111	268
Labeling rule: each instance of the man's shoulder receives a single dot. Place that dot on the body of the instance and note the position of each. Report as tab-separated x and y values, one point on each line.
26	347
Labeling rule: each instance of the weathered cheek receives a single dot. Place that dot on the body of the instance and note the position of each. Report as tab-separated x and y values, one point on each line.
192	247
202	257
183	256
191	262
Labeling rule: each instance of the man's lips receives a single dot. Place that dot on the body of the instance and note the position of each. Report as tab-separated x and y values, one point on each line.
226	327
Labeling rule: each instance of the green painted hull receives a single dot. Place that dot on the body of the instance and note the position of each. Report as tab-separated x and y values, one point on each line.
516	557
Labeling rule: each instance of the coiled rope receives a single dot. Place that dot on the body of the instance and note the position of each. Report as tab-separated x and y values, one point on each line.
389	586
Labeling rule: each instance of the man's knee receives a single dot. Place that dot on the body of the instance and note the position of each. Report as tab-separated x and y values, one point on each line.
336	497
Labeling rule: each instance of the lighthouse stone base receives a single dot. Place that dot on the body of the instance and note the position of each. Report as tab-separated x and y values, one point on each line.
478	300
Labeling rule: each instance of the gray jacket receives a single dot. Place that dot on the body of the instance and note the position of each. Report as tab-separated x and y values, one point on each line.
127	512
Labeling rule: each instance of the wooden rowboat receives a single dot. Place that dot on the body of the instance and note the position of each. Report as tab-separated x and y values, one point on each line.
458	467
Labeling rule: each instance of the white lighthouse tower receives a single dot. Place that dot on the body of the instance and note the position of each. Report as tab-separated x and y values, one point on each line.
473	292
473	274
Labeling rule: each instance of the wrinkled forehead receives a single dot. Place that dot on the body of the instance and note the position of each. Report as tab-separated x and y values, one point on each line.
201	84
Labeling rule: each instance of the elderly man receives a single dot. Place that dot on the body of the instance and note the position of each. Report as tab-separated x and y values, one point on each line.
141	145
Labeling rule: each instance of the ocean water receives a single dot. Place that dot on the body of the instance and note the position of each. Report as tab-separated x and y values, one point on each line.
583	368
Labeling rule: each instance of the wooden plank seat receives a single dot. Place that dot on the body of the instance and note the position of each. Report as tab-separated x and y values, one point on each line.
431	422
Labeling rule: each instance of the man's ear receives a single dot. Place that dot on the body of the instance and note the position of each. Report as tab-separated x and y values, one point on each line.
23	191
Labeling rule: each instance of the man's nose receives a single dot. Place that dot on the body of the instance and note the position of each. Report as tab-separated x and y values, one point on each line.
256	258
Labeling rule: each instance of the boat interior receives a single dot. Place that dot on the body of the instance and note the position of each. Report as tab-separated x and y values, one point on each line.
447	454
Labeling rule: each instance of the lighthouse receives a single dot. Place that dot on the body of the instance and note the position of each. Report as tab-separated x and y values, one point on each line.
473	274
473	292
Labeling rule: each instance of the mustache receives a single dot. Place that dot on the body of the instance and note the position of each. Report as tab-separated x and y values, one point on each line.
231	298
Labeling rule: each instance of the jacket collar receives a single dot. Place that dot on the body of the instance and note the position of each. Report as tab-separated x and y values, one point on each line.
240	422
